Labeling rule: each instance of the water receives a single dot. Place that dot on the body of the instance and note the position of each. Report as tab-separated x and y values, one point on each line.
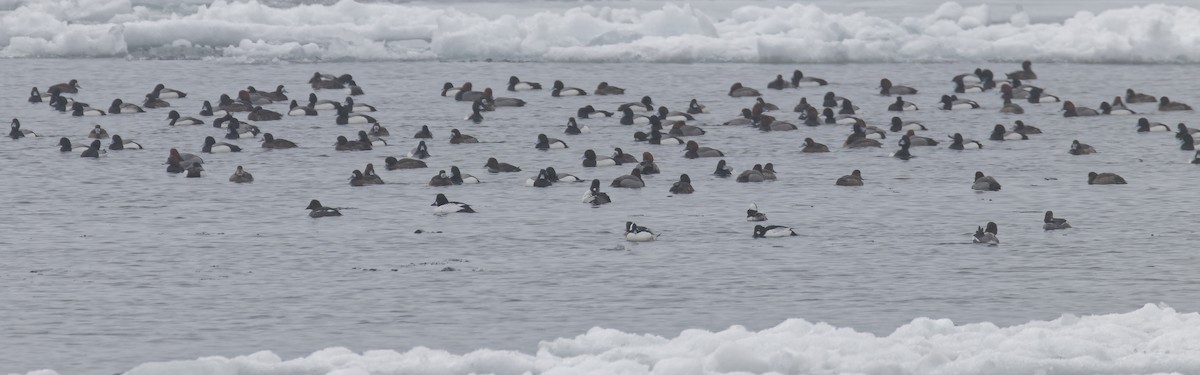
112	262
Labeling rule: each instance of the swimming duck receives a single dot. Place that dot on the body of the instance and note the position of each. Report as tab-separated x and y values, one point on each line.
238	130
1186	142
1070	110
98	133
852	179
295	109
683	186
1117	108
211	146
752	213
779	83
448	89
591	160
899	125
195	171
802	107
960	86
680	129
1137	97
961	143
206	109
373	141
444	206
950	103
118	106
66	146
35	96
628	118
753	174
622	158
668	115
1080	148
561	90
831	100
279	95
344	144
546	143
177	120
594	197
633	180
695	108
1105	179
540	180
420	152
1020	127
344	116
228	104
800	80
241	176
176	160
746	119
269	141
424	133
378	130
900	105
260	114
459	178
858	139
830	118
515	84
252	96
1038	95
1054	223
441	179
695	151
737	91
635	233
1165	104
768	171
493	102
358	107
573	128
1145	125
1026	72
71	87
321	104
1000	134
812	146
887	89
495	166
723	170
605	89
79	109
553	176
468	95
1009	106
903	153
476	115
317	210
987	236
391	163
848	107
985	183
1007	90
916	140
458	138
772	231
94	150
327	82
765	123
588	111
647	165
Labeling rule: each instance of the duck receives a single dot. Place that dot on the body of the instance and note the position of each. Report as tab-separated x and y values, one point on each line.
763	106
573	128
93	150
176	119
344	117
887	89
695	108
1009	106
1038	95
476	115
269	141
668	115
1000	134
773	231
1196	158
449	90
260	114
1165	104
373	141
961	143
768	171
493	102
633	180
391	163
553	176
695	151
316	210
1144	126
79	110
241	176
546	143
1080	148
628	118
680	129
800	80
441	179
252	97
753	214
561	90
1026	72
1117	108
344	144
295	109
540	180
900	105
848	107
228	104
594	196
635	233
985	183
98	133
605	89
495	166
738	91
858	139
723	170
71	87
1007	90
899	125
211	146
118	106
647	165
1054	223
802	107
591	160
960	86
753	174
458	138
35	96
683	186
1020	127
831	118
279	95
64	145
811	146
831	100
746	119
321	104
357	107
469	95
238	130
589	111
515	84
445	206
459	178
378	130
1070	110
328	82
1137	97
176	160
765	123
1105	179
987	236
779	83
902	153
623	158
424	133
195	171
852	179
358	178
951	103
420	152
1186	142
206	109
916	140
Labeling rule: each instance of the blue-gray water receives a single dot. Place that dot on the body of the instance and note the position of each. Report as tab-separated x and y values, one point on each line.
110	263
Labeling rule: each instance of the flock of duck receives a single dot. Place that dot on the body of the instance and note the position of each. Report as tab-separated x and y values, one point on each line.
665	127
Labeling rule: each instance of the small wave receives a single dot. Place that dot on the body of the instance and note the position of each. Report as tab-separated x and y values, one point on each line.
349	30
1152	339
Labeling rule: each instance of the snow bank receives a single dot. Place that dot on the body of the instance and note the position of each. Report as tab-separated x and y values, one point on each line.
349	30
1152	339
